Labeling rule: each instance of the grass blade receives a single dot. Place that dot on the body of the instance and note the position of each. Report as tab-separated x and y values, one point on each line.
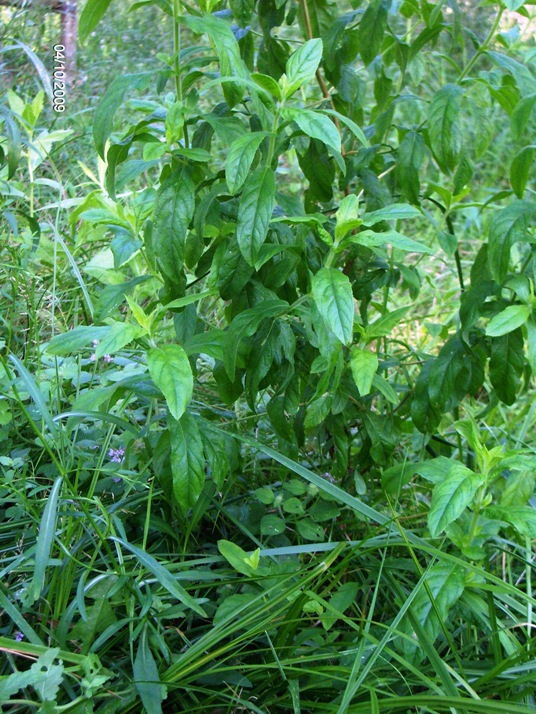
47	529
163	576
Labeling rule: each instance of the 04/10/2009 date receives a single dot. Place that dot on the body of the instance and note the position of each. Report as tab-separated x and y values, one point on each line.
59	79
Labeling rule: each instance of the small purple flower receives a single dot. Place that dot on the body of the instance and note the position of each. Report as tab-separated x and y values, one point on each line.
95	343
19	636
92	358
108	358
116	455
329	477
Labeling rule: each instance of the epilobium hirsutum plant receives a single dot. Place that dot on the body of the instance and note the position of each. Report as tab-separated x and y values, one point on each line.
298	172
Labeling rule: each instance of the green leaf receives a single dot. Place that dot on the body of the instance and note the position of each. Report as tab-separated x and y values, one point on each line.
239	159
110	103
456	371
354	128
531	343
508	225
173	212
255	212
431	606
506	364
90	17
230	61
44	676
45	539
310	530
384	325
410	154
12	133
347	216
392	212
75	339
317	411
119	335
272	525
171	372
522	518
522	75
372	29
163	576
371	239
444	126
302	65
316	125
520	170
521	115
451	497
332	293
146	677
236	557
30	385
244	325
343	599
187	461
268	83
513	5
364	365
395	477
508	320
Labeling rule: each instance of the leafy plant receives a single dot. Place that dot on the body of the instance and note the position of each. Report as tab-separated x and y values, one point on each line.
265	233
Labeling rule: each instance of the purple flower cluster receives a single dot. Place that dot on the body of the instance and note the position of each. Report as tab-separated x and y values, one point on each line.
116	455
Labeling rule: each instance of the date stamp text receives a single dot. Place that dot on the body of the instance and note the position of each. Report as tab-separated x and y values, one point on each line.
58	78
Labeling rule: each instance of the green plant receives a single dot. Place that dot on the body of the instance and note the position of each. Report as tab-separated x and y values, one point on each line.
245	319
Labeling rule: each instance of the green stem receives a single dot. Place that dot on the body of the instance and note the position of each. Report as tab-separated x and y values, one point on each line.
177	48
483	47
273	136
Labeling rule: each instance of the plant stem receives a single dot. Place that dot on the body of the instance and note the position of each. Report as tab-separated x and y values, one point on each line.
177	49
483	47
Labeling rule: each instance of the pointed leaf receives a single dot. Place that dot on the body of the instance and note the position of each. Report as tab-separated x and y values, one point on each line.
187	461
90	17
120	334
520	170
347	216
255	212
171	372
239	159
521	115
75	339
372	29
364	365
173	212
393	212
506	364
397	240
508	320
410	154
451	497
163	576
236	557
302	64
244	325
47	531
316	125
332	293
508	225
111	101
446	583
444	126
146	677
